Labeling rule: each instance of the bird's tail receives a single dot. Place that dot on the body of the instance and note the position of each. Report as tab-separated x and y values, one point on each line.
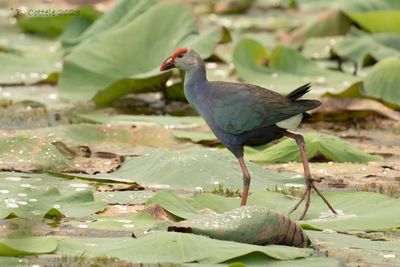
299	92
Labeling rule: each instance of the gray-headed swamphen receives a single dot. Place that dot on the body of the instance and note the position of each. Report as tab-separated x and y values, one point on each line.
244	114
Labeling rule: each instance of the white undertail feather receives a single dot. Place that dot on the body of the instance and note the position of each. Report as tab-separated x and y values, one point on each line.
290	123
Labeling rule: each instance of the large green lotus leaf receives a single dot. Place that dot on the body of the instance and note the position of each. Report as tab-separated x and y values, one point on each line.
195	136
374	15
287	70
329	22
257	260
125	197
22	153
249	224
27	246
28	67
359	211
117	17
14	261
95	69
359	45
174	248
175	205
54	25
23	199
115	138
383	82
214	202
168	121
139	222
329	146
192	169
372	252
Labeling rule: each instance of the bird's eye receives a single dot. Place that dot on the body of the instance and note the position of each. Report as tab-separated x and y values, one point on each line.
180	55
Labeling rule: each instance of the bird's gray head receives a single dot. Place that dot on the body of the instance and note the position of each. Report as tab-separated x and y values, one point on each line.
184	59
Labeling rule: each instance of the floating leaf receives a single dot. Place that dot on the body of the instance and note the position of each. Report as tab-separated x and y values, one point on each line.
27	246
191	169
329	146
358	211
54	23
374	15
249	224
349	108
173	204
169	121
124	197
139	222
383	81
174	248
287	69
359	46
195	136
28	154
36	198
371	252
28	67
117	72
329	22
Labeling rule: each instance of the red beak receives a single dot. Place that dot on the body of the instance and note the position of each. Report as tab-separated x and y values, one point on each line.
169	63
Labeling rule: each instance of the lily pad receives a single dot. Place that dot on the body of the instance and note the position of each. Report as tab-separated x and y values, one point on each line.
124	197
329	22
317	144
195	136
27	246
25	154
287	69
94	69
174	248
168	121
382	82
191	169
249	224
28	67
54	24
358	211
27	201
371	252
139	222
174	205
374	15
359	46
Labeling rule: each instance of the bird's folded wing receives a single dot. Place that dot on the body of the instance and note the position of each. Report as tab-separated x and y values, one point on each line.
251	107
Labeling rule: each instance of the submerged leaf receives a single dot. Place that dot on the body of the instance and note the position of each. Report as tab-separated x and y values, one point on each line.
249	224
329	146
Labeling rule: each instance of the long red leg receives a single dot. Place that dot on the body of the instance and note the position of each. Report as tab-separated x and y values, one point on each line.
307	176
246	181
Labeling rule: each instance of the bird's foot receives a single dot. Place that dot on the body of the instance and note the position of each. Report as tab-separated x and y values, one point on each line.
307	195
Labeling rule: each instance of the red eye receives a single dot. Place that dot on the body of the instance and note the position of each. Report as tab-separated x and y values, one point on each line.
180	55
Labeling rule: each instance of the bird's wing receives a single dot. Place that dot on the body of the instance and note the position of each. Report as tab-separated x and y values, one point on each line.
240	107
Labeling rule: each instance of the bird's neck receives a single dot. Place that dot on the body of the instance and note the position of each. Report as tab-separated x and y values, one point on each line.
195	84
